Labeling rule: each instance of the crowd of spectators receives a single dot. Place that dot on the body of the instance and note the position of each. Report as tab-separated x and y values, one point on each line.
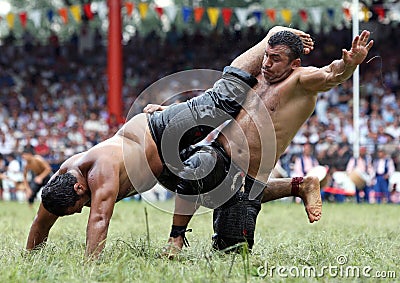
54	94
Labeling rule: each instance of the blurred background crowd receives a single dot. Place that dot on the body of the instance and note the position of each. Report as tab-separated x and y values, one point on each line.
54	98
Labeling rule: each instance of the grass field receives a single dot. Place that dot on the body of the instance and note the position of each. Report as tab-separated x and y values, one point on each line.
350	243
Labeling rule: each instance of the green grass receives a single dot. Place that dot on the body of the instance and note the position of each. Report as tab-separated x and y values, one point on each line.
363	235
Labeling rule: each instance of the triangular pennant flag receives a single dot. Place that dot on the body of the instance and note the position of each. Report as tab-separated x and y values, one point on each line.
143	9
129	8
226	15
50	15
316	13
186	13
63	12
35	16
242	14
331	13
257	14
347	14
365	12
159	11
286	15
213	14
303	15
198	14
380	11
23	18
271	14
76	13
10	20
171	12
88	11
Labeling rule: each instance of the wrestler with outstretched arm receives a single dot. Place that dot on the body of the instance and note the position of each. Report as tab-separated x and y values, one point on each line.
289	92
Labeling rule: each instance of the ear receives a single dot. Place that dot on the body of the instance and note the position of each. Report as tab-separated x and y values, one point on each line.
296	63
79	189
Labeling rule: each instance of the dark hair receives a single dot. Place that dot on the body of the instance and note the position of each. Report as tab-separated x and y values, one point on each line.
290	40
59	194
29	149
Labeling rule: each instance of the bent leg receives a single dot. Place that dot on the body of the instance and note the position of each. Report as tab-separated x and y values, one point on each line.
308	191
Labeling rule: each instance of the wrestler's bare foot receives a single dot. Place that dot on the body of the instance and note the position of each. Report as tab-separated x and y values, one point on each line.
309	192
173	247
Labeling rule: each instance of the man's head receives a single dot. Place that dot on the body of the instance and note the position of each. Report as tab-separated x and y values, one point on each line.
282	56
60	195
28	152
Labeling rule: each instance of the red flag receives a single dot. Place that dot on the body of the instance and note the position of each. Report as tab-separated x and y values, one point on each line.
226	15
23	18
380	11
129	8
347	13
303	15
63	14
159	11
271	13
88	11
198	14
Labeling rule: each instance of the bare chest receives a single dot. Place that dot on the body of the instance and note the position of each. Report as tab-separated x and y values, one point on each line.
267	96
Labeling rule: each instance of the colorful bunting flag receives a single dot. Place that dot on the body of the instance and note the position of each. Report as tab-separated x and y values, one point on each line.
186	13
23	19
129	8
88	11
213	14
143	9
226	15
63	12
35	16
258	15
171	12
286	15
303	15
76	13
198	14
159	11
271	14
241	14
10	20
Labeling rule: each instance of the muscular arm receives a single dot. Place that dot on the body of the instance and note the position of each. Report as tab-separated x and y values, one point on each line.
250	61
40	228
103	182
323	79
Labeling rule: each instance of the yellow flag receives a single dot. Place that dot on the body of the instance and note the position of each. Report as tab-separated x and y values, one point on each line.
76	13
365	11
10	20
143	8
286	15
213	14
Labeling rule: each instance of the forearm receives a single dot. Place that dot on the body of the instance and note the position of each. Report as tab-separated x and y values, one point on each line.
95	240
340	72
37	236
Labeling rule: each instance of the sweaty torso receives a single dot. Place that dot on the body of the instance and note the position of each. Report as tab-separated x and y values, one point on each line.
35	166
270	118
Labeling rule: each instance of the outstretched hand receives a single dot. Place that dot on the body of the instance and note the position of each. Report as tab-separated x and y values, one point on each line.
359	49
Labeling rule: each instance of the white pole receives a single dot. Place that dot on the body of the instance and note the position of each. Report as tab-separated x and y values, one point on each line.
356	87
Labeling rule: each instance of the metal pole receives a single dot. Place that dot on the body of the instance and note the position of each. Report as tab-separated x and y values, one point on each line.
356	87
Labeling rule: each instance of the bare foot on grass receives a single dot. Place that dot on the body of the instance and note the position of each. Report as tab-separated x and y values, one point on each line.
173	247
309	192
